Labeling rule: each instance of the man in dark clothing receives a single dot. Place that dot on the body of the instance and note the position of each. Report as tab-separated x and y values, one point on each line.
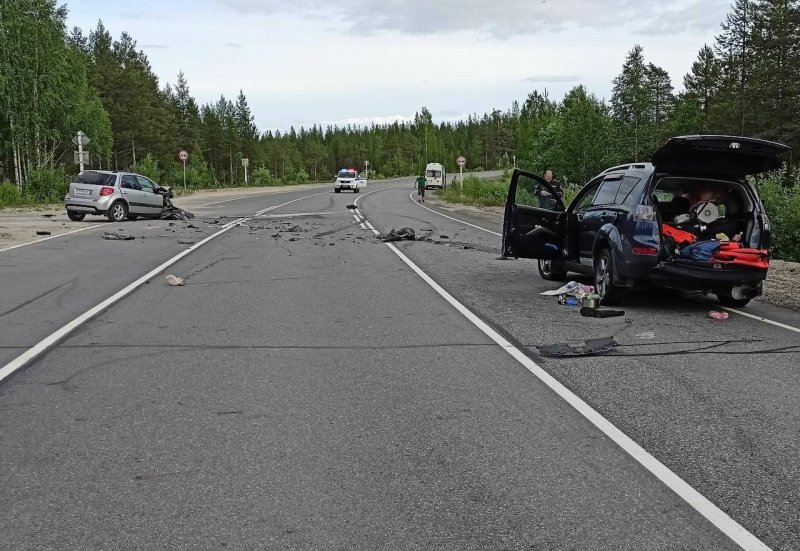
547	201
421	182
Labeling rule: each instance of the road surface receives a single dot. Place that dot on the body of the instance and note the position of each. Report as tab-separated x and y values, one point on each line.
311	387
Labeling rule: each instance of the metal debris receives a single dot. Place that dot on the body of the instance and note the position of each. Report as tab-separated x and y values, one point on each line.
111	236
399	235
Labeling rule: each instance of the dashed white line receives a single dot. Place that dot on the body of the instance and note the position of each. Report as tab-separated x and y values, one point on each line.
51	237
298	214
700	503
268	209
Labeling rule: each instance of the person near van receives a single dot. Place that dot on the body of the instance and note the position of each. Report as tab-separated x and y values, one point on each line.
545	200
421	182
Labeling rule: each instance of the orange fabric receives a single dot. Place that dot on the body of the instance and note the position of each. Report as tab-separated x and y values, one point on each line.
738	255
681	237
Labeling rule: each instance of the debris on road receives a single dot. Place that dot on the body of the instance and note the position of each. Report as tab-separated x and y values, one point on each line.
43	232
444	236
647	335
719	316
191	227
111	236
174	281
597	313
352	207
185	242
573	288
591	347
566	300
403	234
48	216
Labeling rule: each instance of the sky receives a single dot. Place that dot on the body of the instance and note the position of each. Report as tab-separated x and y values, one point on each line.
306	62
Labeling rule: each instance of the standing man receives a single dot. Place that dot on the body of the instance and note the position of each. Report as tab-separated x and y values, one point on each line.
421	189
545	200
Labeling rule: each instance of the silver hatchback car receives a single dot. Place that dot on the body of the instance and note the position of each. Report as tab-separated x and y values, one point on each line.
117	195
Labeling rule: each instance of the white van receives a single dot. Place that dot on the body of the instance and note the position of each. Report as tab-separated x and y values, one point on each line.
349	178
435	176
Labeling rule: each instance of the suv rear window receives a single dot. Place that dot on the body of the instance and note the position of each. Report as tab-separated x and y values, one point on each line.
96	178
608	192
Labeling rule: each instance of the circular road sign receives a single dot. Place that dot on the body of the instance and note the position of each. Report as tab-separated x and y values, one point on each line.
461	161
183	155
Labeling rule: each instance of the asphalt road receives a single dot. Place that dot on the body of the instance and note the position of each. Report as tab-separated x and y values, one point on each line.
309	389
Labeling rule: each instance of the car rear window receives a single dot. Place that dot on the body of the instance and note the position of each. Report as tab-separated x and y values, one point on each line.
96	178
608	192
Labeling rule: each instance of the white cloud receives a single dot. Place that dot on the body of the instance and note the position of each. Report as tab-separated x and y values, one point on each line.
500	18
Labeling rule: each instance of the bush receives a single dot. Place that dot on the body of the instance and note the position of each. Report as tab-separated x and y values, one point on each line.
477	191
148	166
780	193
11	196
262	177
46	185
198	176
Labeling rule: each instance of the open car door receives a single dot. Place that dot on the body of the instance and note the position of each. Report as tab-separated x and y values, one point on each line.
535	220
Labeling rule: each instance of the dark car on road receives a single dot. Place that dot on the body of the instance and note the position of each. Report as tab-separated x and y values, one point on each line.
688	220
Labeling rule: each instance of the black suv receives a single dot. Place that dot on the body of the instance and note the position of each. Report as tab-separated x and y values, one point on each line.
644	223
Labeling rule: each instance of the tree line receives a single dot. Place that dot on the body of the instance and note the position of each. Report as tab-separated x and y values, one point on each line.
55	81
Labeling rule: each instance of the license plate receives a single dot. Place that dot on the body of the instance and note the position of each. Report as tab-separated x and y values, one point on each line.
83	192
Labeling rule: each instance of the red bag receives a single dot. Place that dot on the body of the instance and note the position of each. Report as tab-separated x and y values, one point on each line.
681	237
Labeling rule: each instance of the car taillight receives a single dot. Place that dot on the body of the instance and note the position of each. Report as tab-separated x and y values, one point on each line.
644	212
106	191
645	251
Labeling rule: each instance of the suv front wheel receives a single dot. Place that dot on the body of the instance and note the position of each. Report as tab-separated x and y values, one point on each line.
604	279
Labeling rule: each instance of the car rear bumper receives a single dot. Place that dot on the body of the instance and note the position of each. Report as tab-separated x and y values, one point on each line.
95	206
706	275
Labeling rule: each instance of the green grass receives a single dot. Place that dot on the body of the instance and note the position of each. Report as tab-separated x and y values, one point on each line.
493	192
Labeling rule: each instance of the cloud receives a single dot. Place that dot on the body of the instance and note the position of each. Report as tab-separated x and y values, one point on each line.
369	121
501	18
154	47
553	78
234	45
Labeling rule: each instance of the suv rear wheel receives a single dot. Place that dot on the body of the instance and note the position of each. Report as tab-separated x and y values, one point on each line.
604	279
75	216
551	270
726	298
118	212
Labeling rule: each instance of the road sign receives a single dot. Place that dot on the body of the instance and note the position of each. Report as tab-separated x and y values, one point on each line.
81	157
245	162
461	161
81	139
183	155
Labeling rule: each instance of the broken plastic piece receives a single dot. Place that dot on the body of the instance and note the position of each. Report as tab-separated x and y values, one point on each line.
174	281
720	316
111	236
596	313
400	235
589	348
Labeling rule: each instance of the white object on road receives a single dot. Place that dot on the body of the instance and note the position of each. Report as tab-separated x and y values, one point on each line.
174	281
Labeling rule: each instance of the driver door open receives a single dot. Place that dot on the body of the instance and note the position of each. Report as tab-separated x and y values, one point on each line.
534	223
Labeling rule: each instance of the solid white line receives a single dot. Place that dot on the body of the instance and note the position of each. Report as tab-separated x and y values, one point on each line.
358	218
262	194
363	227
51	237
45	344
262	211
711	512
759	318
360	197
370	226
451	218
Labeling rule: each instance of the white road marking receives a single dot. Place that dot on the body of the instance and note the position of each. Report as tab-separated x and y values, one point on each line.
359	198
294	214
53	339
701	504
51	237
45	344
262	211
451	218
370	226
262	194
363	227
357	217
759	318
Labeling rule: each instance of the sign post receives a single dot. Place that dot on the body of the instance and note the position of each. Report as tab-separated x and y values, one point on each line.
367	165
245	164
461	161
81	140
183	155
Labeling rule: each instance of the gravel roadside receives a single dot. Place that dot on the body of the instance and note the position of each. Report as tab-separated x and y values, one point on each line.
780	289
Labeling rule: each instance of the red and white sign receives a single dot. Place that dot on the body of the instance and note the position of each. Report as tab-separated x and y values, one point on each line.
183	155
461	161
